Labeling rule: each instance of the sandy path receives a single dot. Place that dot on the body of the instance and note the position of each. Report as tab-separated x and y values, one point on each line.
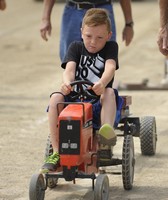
29	72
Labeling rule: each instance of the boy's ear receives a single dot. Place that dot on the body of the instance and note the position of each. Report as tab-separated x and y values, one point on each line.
109	35
81	33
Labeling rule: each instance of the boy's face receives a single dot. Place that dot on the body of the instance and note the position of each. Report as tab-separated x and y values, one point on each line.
95	37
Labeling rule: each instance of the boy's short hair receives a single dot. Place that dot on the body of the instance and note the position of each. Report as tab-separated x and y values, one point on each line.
96	17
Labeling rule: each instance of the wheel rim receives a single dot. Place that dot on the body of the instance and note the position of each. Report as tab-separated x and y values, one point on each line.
101	190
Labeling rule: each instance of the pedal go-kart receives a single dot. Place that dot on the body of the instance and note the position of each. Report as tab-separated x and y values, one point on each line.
80	156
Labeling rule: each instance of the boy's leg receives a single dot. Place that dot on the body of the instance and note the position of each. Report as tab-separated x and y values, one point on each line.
51	162
53	117
108	113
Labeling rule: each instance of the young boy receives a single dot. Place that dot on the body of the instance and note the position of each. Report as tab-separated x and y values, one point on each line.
98	58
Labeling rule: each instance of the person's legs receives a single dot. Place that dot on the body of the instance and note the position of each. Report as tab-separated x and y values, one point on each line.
109	7
70	28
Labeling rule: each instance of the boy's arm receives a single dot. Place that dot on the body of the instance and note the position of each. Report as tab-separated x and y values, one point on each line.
68	77
46	19
109	71
108	74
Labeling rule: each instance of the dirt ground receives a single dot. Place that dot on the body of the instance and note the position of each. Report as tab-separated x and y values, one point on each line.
30	71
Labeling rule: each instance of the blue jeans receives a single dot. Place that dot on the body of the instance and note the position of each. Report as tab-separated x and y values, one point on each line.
71	25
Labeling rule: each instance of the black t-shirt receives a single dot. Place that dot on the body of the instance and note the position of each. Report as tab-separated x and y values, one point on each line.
91	66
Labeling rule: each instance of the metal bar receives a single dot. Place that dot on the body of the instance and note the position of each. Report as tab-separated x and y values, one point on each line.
142	87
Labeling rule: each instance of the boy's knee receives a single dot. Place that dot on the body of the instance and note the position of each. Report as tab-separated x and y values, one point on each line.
110	93
56	97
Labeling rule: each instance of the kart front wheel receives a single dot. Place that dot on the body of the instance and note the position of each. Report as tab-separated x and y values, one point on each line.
101	190
37	187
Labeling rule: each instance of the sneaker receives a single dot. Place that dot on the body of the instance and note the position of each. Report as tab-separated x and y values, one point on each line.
51	163
107	135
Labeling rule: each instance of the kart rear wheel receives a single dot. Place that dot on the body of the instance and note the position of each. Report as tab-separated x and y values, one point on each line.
101	190
37	187
148	136
128	162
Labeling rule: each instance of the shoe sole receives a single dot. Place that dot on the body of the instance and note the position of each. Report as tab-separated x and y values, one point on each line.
107	135
107	132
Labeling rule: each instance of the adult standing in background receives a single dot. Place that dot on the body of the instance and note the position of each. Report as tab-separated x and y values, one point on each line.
2	4
73	13
163	32
163	36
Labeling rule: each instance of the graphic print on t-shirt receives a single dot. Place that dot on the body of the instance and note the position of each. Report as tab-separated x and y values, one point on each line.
90	68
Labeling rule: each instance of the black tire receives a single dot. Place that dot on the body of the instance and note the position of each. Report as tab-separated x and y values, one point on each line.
37	187
128	162
148	136
101	190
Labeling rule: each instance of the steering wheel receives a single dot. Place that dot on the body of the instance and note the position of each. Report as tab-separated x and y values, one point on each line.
83	93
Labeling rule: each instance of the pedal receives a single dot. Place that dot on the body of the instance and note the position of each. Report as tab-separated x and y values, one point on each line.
105	154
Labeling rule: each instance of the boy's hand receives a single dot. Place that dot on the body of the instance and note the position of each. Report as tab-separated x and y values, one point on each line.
66	88
98	88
